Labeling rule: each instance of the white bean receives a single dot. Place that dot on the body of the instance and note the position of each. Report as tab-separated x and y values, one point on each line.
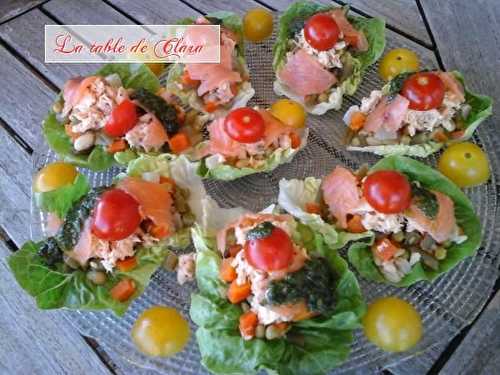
84	142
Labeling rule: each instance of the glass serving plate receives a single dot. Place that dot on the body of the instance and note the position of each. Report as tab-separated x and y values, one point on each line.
446	305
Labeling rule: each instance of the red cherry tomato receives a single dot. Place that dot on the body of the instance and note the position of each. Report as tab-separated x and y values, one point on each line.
321	32
245	125
388	192
271	253
424	91
122	119
116	216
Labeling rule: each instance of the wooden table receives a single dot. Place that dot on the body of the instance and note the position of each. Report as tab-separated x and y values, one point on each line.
459	34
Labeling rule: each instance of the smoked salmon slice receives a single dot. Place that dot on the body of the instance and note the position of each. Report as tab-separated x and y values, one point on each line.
341	193
352	36
442	227
388	115
213	76
83	251
274	128
451	84
305	75
75	89
155	201
221	142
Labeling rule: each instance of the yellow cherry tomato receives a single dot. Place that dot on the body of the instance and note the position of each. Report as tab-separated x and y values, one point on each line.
258	24
54	176
289	112
160	332
465	164
392	324
396	61
156	68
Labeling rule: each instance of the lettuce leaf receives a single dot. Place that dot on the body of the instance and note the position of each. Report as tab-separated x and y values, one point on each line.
360	255
292	20
420	151
293	197
481	109
320	344
227	172
55	288
133	76
59	201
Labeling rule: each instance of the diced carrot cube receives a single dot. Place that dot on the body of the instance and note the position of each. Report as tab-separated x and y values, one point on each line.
313	208
127	264
227	272
248	324
238	293
179	143
123	290
355	225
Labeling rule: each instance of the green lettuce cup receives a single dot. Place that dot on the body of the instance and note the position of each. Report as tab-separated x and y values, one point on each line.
360	254
472	112
311	346
113	273
188	92
354	63
130	76
224	158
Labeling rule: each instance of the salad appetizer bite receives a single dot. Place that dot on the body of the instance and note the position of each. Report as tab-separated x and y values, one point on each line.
104	243
252	140
215	88
272	296
421	223
416	114
114	115
321	54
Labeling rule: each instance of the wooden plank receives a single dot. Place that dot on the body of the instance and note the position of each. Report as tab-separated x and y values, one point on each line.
155	12
239	7
36	342
12	8
476	53
85	12
28	99
29	27
402	15
479	352
15	186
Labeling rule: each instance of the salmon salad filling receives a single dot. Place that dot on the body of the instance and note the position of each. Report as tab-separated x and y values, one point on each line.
271	277
99	111
316	56
386	117
265	281
415	114
155	207
422	229
246	141
215	88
